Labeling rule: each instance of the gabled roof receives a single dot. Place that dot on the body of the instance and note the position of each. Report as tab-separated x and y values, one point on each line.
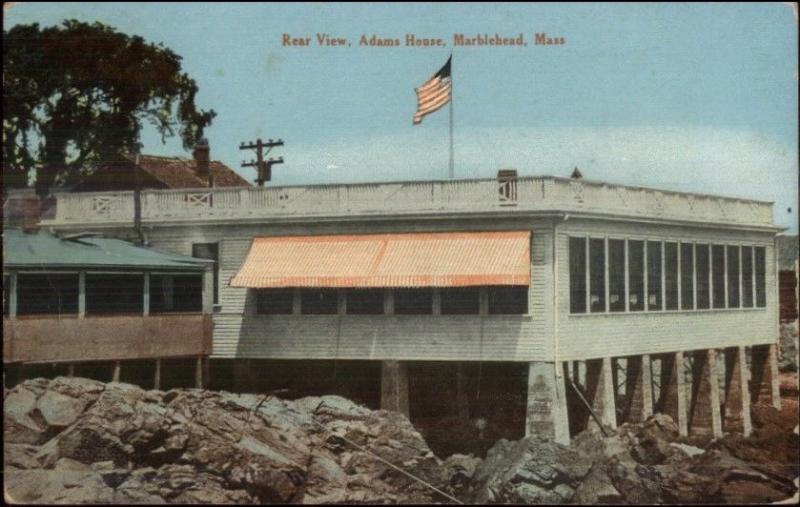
177	172
44	250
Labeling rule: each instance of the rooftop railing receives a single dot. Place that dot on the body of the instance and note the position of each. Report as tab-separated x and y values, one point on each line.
403	198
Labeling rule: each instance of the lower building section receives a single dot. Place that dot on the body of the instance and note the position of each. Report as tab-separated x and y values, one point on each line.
467	406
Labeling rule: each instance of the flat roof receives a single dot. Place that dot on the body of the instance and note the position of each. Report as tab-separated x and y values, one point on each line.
43	250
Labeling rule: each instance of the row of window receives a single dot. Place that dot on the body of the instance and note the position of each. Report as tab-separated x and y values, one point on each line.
58	294
453	301
639	275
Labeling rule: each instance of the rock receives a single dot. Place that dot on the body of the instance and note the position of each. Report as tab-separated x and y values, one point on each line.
59	410
61	485
597	488
689	450
20	456
460	468
22	424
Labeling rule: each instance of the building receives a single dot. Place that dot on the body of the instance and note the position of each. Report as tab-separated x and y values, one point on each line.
83	304
588	299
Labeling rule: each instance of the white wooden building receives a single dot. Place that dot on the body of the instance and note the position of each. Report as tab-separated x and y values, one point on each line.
615	274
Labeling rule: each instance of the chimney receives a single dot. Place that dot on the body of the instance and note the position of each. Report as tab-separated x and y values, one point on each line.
576	174
201	156
22	209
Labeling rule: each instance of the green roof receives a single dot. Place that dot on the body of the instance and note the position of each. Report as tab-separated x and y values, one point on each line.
44	250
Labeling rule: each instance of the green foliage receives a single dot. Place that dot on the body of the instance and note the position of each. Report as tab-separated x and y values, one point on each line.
78	94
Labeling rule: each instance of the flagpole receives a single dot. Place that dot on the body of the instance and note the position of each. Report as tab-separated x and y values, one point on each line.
452	163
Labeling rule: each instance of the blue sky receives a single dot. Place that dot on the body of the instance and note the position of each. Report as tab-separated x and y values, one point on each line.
695	97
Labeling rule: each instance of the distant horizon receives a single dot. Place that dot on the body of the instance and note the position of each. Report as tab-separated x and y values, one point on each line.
675	97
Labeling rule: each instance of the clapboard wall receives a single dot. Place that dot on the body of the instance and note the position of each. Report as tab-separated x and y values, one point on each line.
585	336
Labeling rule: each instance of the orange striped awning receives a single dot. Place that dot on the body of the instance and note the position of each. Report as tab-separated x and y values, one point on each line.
452	259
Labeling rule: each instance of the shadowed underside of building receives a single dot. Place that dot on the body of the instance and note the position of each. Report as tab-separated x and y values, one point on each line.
555	304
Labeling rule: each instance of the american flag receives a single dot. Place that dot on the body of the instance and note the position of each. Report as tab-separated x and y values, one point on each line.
435	93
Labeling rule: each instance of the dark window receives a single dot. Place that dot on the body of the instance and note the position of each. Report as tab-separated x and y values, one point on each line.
761	271
508	300
460	301
274	301
671	275
718	276
747	276
733	276
687	276
636	276
47	294
365	302
319	302
616	275
654	275
176	293
209	251
703	287
413	302
577	275
112	293
597	275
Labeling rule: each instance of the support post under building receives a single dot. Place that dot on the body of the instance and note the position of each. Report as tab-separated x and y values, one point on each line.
546	412
638	390
737	395
672	399
704	415
394	386
764	383
600	392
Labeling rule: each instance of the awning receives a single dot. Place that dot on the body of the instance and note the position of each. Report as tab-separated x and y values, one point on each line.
453	259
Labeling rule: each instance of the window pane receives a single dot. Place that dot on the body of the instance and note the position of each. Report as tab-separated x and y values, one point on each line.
413	302
274	301
761	290
718	276
703	288
47	294
671	275
319	302
209	251
733	276
112	293
597	276
636	275
616	275
508	300
176	293
687	276
747	276
654	275
577	275
365	302
460	301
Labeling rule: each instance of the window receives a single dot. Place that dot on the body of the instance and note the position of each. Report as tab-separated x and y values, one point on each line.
747	276
413	302
319	302
703	273
508	300
274	301
365	302
209	251
114	293
654	276
718	276
733	277
636	276
687	276
597	276
39	294
460	301
577	275
616	275
176	293
761	292
671	275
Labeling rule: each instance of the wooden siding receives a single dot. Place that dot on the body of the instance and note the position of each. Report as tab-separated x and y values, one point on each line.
52	339
586	336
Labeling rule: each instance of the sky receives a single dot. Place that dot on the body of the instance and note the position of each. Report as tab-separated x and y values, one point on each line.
688	97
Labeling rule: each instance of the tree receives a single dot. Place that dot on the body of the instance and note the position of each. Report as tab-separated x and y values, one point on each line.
77	95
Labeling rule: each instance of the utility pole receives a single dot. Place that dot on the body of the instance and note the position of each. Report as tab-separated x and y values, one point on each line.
263	167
